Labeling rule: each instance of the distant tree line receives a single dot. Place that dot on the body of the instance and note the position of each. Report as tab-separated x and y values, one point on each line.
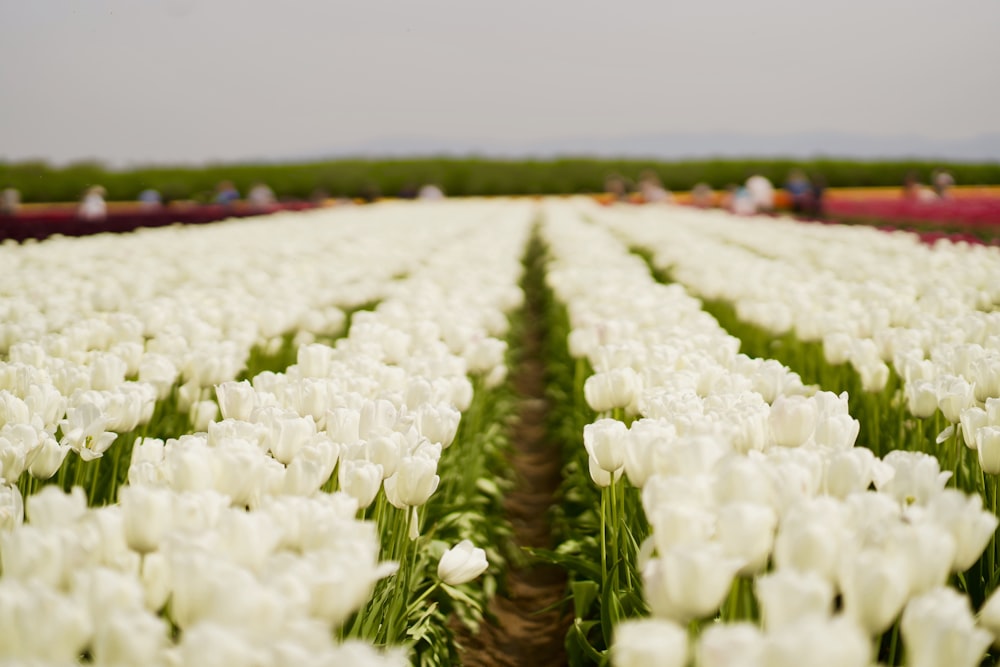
40	182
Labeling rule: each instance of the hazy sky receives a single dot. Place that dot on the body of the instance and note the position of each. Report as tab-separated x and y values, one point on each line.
194	80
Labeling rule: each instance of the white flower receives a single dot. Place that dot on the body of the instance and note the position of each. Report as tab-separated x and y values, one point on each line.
147	513
11	507
616	388
414	482
462	563
787	596
818	642
988	445
938	629
875	586
649	642
730	644
236	400
746	531
916	478
792	420
84	431
605	441
964	517
689	581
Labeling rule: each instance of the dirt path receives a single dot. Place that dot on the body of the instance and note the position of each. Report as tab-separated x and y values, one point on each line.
520	635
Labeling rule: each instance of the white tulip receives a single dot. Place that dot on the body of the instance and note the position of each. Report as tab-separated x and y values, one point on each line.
746	532
792	420
462	563
605	441
988	446
971	526
689	582
361	480
50	507
787	596
11	507
147	514
818	642
617	388
938	629
875	586
730	644
649	642
413	483
236	400
916	478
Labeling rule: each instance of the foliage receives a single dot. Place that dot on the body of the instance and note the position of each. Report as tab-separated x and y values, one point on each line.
356	177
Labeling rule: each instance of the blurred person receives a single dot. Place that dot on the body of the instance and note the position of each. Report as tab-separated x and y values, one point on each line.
915	191
942	182
799	190
738	200
761	193
408	191
911	186
616	188
226	193
430	192
261	196
10	201
150	199
817	194
92	207
702	195
652	190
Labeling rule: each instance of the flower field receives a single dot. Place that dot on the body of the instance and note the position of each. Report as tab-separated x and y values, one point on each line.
321	438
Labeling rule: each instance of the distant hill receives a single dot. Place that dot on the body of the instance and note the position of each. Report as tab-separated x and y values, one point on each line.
983	148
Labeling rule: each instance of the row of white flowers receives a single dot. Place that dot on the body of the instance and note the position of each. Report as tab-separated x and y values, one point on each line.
872	298
225	534
751	482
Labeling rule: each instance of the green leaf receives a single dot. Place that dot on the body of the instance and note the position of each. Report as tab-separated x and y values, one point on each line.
584	593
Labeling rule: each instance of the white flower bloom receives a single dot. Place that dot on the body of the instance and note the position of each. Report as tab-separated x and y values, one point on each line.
462	563
938	629
649	642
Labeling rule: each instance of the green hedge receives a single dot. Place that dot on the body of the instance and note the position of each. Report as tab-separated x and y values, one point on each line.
38	181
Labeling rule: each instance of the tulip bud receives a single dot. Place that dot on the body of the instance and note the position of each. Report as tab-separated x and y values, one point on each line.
792	420
413	483
462	563
988	445
236	400
601	477
361	480
605	442
47	459
921	399
616	388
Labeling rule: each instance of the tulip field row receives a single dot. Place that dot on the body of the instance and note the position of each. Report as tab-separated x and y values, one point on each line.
286	440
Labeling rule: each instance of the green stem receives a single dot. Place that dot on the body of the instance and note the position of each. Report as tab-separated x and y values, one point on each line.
604	538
